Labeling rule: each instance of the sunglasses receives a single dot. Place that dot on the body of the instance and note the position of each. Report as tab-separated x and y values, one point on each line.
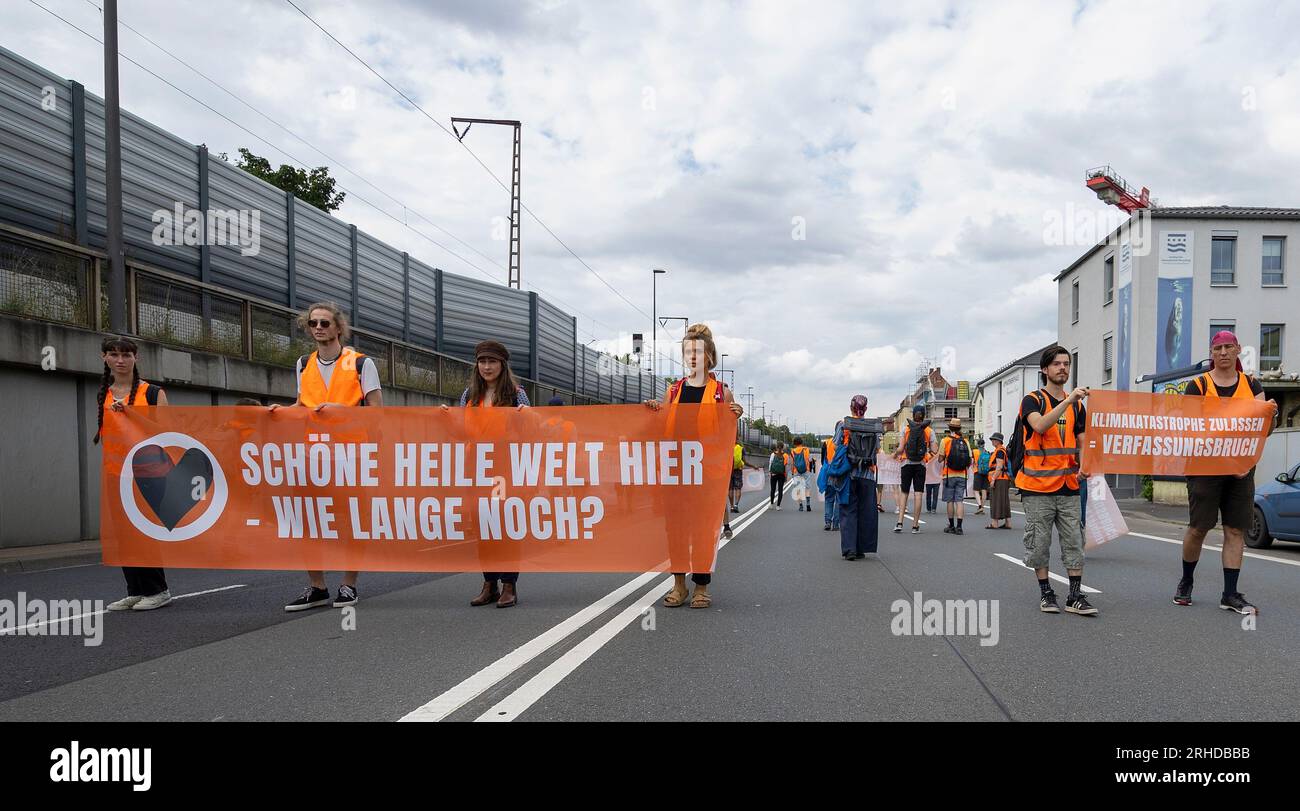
322	323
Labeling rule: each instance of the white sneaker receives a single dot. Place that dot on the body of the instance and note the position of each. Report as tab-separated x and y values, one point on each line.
124	604
159	600
778	508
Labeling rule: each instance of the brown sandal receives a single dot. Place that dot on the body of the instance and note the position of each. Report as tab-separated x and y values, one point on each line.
701	598
677	597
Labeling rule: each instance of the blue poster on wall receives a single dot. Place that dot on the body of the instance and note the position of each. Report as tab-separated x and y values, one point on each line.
1125	298
1174	302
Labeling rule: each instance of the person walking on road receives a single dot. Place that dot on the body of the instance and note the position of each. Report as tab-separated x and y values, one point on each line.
956	462
981	478
802	463
999	484
914	451
1053	422
1231	496
831	507
700	386
776	470
737	484
120	388
854	469
334	376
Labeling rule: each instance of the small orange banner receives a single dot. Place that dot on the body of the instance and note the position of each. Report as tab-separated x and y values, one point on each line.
1163	435
572	489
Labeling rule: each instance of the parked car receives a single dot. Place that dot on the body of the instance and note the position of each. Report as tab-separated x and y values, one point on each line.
1277	511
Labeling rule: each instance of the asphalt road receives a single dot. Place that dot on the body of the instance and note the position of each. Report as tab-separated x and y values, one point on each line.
794	632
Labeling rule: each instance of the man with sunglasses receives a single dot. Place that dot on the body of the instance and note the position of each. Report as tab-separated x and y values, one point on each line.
336	376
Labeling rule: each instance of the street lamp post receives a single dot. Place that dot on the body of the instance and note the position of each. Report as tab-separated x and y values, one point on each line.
654	324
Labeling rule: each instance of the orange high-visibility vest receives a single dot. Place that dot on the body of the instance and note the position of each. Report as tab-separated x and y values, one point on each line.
136	399
345	382
1243	391
807	461
828	451
1050	461
998	453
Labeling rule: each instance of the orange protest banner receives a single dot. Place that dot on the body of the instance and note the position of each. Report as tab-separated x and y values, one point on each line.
574	489
1162	435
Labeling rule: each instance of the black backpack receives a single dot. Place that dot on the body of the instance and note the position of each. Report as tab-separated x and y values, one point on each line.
958	454
917	447
860	438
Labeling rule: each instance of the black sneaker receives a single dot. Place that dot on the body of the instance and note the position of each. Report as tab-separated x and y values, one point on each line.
347	596
1078	604
827	528
311	597
948	530
726	531
916	530
1184	594
835	527
735	509
898	527
1237	602
1048	603
958	531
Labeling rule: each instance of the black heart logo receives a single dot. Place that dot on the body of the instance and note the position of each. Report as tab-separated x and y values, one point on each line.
169	487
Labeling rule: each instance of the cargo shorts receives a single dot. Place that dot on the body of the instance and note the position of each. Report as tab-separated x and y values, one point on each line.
1041	514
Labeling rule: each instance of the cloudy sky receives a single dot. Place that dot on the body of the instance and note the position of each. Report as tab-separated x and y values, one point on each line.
841	190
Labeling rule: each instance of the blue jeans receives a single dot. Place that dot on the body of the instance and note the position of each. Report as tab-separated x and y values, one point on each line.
831	509
859	519
931	496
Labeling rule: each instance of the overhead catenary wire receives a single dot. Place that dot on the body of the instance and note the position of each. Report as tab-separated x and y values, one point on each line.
472	154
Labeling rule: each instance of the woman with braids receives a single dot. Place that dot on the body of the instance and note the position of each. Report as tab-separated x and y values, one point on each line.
119	389
492	384
699	357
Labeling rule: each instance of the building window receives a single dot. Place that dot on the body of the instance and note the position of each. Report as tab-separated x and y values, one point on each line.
950	413
1108	281
1074	369
1108	358
1270	347
1223	260
1074	302
1272	269
1218	326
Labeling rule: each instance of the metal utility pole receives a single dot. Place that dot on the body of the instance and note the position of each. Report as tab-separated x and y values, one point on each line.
113	175
514	186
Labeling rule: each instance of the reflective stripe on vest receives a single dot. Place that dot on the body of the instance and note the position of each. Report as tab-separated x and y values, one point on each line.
1050	461
345	381
1243	391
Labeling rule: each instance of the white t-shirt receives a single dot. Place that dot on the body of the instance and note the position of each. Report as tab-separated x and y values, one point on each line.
369	374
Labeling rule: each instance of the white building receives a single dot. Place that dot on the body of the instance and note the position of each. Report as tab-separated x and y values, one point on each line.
1144	303
1192	272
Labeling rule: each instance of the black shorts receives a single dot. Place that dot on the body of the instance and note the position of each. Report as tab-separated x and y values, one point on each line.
737	479
981	481
913	478
1210	496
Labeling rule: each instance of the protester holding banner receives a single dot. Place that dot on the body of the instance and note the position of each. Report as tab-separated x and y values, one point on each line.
1000	481
1230	496
493	384
1049	481
334	376
120	387
700	386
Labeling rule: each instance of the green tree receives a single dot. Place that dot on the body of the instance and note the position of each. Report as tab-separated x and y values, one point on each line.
315	187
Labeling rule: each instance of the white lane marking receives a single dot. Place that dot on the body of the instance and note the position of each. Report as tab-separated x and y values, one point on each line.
1217	549
1209	546
515	704
1052	575
61	620
487	678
